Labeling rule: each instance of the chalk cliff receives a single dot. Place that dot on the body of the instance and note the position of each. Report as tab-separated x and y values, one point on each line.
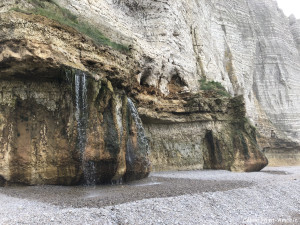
175	50
249	46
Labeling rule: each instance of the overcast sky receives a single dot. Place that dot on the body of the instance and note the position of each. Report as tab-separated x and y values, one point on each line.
290	7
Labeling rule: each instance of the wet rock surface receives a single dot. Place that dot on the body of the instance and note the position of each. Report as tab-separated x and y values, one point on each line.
69	132
188	128
2	181
67	116
62	121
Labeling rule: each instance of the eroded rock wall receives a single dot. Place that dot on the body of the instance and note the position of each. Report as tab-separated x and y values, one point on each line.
37	133
202	133
62	121
47	139
282	153
249	46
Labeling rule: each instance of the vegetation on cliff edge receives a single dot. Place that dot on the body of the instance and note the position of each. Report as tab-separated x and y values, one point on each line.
52	10
213	86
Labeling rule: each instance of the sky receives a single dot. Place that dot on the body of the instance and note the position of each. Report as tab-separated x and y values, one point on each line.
290	7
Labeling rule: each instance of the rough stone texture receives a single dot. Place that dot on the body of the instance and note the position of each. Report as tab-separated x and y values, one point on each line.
209	133
295	29
36	128
282	153
249	46
60	125
40	137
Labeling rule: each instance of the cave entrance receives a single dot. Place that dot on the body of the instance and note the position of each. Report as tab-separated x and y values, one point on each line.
212	157
176	84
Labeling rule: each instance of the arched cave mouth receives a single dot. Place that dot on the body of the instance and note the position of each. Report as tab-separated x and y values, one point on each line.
145	77
176	84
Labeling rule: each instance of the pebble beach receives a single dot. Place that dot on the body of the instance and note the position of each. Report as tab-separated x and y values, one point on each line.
271	196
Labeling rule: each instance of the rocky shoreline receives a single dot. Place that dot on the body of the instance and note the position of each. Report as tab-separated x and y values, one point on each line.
187	197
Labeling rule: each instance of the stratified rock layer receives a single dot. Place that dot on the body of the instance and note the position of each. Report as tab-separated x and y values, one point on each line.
202	133
60	125
282	153
249	46
41	141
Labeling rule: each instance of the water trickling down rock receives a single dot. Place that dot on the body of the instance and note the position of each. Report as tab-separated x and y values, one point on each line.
57	133
88	167
46	138
143	141
137	145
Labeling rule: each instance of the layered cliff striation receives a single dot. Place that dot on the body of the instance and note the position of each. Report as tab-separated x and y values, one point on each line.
62	120
249	46
195	69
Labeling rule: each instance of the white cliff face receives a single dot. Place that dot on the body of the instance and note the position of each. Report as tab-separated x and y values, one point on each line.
295	29
277	68
247	45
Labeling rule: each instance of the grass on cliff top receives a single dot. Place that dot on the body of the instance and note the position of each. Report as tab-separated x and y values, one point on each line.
213	86
52	10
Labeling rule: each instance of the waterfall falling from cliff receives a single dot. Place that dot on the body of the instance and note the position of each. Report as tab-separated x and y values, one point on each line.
143	141
82	122
81	109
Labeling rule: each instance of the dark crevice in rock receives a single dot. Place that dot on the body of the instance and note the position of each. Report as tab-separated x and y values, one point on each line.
2	181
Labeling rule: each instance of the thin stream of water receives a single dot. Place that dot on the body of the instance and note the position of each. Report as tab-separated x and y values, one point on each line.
142	139
82	122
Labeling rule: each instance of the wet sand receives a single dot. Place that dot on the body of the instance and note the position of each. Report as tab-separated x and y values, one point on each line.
106	195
